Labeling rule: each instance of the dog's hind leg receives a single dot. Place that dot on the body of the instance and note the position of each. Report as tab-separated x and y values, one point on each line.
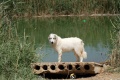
81	59
77	57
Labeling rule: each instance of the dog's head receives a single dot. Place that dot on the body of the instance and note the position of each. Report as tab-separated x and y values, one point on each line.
52	38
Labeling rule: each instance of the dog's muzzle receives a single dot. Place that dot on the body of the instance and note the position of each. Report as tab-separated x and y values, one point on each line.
51	42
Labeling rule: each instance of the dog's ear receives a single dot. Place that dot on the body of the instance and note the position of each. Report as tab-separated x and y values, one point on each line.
56	36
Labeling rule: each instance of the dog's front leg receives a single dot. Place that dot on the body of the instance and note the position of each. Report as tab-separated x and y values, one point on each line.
59	56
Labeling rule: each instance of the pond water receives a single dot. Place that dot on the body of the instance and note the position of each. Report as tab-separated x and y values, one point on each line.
94	31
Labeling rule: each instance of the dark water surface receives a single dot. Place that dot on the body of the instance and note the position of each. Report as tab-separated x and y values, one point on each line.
94	31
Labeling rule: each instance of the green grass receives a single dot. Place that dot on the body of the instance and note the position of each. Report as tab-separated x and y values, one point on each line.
62	7
115	56
16	55
66	7
17	52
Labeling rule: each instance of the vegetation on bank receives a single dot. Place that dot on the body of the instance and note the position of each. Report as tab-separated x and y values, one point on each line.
115	56
16	51
61	7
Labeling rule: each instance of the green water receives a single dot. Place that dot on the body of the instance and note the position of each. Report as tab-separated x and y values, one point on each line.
94	31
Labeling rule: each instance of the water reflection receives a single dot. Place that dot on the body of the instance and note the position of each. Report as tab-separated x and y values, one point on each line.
94	31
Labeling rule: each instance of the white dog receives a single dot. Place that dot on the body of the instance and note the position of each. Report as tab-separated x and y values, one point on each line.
68	44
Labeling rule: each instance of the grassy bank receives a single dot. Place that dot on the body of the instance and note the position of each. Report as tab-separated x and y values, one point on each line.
17	52
115	56
16	55
63	7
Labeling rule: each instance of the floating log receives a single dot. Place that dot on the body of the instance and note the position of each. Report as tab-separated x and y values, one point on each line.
67	68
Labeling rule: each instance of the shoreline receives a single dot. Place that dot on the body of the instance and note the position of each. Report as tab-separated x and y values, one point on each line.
72	15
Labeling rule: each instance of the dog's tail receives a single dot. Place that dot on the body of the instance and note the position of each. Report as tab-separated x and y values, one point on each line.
84	53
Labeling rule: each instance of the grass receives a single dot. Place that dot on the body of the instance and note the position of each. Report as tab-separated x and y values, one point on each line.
62	7
17	52
15	58
115	56
66	7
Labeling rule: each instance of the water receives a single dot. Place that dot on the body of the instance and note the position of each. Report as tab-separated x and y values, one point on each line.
94	31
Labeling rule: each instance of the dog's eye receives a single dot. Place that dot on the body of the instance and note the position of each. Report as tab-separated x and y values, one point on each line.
50	38
54	38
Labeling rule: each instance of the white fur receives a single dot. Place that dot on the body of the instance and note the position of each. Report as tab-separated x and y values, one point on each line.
68	44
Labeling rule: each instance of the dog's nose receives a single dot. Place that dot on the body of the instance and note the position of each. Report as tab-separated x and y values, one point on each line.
52	42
